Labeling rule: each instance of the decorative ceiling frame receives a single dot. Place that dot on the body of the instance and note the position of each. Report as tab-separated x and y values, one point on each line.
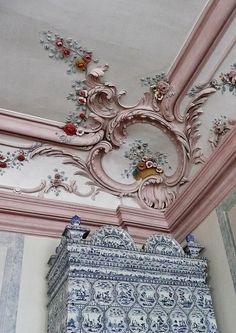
45	217
207	32
163	114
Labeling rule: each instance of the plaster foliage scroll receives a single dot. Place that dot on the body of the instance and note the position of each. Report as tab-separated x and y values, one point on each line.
108	121
107	114
100	126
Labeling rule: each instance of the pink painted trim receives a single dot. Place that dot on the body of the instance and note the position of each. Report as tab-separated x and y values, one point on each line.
141	223
31	215
220	61
208	31
213	182
34	127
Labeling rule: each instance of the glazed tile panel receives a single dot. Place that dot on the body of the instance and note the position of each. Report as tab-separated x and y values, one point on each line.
108	285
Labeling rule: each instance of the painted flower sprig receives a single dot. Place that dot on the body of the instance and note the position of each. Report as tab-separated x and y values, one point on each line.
159	85
56	180
143	162
71	51
77	118
78	58
226	81
13	159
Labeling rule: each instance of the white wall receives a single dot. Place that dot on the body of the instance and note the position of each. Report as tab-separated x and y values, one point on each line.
32	311
209	235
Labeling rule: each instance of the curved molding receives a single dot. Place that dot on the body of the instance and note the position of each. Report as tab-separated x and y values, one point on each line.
206	190
208	31
42	129
30	215
158	191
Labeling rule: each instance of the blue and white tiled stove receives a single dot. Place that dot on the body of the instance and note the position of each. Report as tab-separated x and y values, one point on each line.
108	285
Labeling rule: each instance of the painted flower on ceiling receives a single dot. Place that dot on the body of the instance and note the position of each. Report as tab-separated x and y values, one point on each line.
143	162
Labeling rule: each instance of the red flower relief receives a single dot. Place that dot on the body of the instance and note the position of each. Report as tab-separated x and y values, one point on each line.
59	42
3	164
66	52
70	129
21	157
82	115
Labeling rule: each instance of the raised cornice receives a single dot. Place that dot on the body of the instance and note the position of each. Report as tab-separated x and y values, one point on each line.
45	217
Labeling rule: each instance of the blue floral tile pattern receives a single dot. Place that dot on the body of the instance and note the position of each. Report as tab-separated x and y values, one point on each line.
106	284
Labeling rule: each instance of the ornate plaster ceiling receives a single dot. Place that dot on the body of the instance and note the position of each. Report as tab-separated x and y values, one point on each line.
136	38
145	152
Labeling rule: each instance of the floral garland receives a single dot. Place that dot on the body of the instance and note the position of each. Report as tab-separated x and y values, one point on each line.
226	81
78	59
143	162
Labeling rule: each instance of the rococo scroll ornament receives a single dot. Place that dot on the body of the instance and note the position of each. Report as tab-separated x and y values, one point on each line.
100	123
108	121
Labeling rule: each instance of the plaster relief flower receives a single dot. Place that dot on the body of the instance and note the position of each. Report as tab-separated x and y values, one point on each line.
163	87
149	164
70	129
82	100
80	64
159	170
3	164
87	56
59	42
141	166
66	52
80	132
158	95
3	158
232	76
21	157
83	93
82	115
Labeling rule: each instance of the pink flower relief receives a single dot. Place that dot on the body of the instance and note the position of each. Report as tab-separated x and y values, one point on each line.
163	87
83	93
82	100
87	56
232	76
232	73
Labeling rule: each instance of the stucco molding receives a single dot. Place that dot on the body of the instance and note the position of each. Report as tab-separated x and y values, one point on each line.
206	190
157	191
207	32
31	215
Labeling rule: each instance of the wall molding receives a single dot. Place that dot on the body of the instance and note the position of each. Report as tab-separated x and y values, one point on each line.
44	217
206	190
